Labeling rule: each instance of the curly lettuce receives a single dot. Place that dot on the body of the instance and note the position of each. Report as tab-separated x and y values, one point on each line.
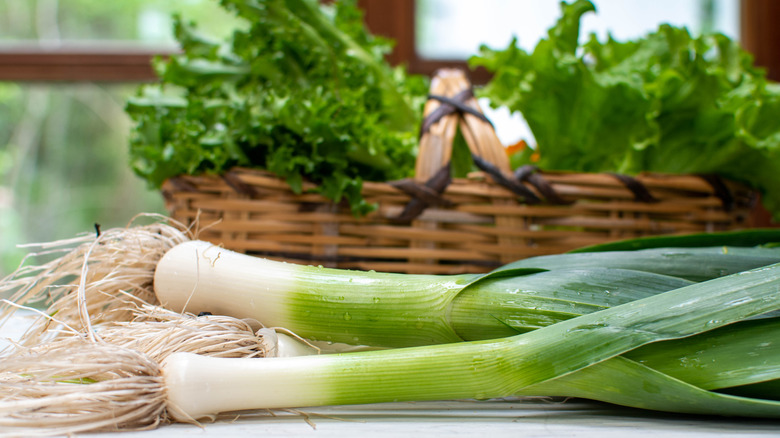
303	90
668	102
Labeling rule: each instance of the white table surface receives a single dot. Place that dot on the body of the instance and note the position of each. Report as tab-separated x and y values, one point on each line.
484	419
526	418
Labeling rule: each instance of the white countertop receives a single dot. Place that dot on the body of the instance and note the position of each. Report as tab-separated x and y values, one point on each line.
527	418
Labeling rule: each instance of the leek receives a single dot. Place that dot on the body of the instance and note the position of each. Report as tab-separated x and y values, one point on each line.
741	354
401	310
738	238
695	264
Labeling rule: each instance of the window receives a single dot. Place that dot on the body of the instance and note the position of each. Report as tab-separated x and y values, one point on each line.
63	163
454	29
66	70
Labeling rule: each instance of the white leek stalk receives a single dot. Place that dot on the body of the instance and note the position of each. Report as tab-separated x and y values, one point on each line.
320	304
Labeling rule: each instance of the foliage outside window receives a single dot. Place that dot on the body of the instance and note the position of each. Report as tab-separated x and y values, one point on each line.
63	147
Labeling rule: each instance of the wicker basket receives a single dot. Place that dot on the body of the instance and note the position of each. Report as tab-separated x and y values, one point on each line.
435	224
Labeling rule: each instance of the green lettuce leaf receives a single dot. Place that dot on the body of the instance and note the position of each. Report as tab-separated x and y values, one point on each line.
668	102
303	90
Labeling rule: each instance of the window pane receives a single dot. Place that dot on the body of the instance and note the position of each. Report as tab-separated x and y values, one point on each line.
64	164
105	21
64	161
454	29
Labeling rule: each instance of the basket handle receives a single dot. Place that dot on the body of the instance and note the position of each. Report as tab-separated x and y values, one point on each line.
452	105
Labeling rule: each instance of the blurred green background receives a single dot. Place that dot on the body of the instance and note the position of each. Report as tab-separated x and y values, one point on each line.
63	146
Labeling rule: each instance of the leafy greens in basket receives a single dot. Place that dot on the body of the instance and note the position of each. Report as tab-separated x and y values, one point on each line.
303	91
668	102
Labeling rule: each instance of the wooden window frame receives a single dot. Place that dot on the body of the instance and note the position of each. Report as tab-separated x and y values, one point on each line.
396	19
760	34
77	64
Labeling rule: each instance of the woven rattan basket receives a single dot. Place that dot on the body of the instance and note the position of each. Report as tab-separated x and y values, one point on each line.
435	224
